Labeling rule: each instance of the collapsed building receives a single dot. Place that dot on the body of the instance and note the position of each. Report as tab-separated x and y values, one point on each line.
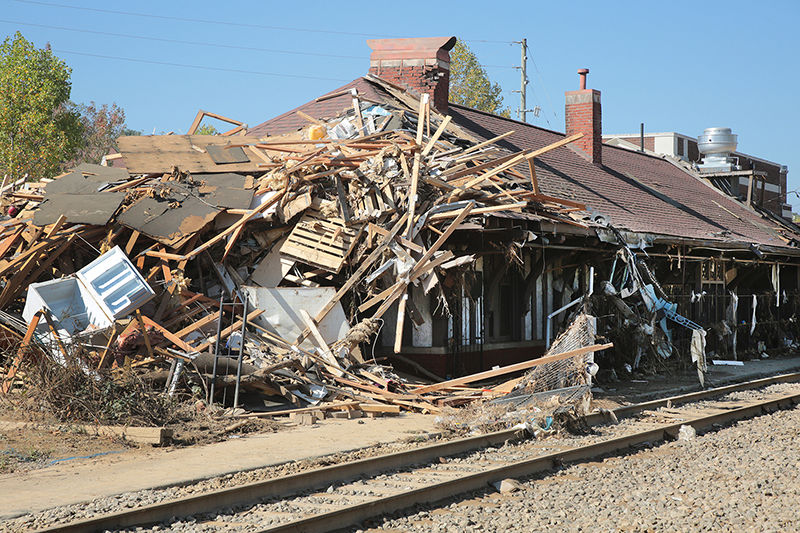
381	223
726	267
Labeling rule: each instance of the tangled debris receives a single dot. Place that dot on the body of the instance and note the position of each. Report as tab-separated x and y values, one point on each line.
211	264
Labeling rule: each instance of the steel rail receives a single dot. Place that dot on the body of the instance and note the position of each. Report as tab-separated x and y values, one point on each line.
629	410
272	488
314	479
354	514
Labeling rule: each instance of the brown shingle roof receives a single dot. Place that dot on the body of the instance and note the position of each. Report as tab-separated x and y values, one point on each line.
324	110
639	192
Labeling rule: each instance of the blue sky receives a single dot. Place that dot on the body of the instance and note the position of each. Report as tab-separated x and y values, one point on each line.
676	66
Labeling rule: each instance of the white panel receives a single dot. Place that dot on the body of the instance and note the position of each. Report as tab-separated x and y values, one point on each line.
422	336
282	312
107	288
115	282
665	145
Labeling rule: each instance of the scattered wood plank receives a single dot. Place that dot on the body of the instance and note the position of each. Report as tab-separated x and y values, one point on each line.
511	368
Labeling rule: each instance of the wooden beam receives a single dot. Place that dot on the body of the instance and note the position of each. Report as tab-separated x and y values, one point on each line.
169	335
26	342
511	368
549	147
55	227
330	359
400	322
439	131
534	180
487	143
208	244
412	194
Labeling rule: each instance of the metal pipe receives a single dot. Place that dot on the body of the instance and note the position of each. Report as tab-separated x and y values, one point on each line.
241	356
641	136
176	377
216	347
583	72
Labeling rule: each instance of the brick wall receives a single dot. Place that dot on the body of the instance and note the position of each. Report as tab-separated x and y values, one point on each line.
583	114
421	64
424	79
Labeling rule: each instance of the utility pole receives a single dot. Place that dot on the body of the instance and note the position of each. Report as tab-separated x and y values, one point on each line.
523	82
522	112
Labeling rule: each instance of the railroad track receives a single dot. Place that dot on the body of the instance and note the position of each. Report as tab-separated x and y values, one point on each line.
341	495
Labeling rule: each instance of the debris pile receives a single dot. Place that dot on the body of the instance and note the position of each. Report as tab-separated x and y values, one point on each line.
211	264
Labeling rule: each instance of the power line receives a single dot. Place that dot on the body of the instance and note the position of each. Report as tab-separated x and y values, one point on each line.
552	109
235	24
218	22
175	41
200	66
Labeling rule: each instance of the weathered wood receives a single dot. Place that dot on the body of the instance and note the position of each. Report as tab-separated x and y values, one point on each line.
146	154
142	435
330	359
24	345
534	181
412	194
322	243
511	368
208	244
439	131
356	276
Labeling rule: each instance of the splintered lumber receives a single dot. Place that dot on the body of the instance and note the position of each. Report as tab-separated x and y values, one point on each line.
439	131
26	341
208	244
326	351
534	180
209	319
401	319
479	210
356	276
378	408
412	194
168	335
424	262
549	147
320	242
511	368
487	143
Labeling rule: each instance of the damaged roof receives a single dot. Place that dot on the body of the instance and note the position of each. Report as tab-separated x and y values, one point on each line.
632	191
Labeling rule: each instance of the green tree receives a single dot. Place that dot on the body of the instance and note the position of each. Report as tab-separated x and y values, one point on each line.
470	84
206	129
37	129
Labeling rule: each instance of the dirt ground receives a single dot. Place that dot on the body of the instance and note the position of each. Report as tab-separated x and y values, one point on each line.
31	439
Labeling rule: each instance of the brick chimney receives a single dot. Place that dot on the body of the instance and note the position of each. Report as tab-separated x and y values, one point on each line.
420	64
583	115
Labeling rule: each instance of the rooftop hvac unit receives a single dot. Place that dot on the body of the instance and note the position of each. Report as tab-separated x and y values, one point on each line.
717	144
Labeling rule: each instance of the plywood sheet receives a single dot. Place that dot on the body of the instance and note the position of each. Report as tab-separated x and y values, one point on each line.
96	209
159	153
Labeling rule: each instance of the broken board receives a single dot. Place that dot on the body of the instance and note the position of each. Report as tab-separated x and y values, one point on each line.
320	242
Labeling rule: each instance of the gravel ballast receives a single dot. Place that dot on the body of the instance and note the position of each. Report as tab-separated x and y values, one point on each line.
741	478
